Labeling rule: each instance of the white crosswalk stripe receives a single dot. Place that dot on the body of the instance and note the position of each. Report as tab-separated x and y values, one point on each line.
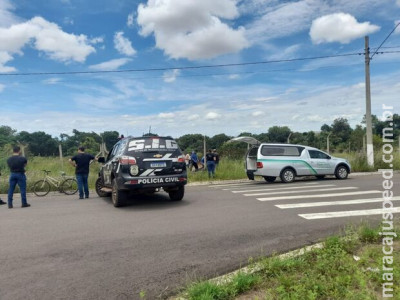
333	203
320	195
309	191
351	213
280	188
302	191
235	184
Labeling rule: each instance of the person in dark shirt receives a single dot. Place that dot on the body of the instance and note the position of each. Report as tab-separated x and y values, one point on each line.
17	164
210	158
81	163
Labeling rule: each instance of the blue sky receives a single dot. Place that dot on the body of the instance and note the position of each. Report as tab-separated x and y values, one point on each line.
64	36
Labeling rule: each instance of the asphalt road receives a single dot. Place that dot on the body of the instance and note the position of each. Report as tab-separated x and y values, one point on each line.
65	248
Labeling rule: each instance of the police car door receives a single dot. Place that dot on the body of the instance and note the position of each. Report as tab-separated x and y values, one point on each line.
111	164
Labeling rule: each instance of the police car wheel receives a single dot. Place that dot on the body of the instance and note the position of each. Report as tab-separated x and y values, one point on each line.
178	194
99	186
118	197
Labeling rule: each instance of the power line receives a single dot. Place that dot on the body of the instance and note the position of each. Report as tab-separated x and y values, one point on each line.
385	40
184	67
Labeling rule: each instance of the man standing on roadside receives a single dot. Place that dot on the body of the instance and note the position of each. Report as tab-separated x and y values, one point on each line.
17	164
81	163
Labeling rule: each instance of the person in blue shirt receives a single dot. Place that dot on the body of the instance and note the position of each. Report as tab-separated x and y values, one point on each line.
195	160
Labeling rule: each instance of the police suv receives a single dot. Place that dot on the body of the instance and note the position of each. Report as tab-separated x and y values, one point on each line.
142	165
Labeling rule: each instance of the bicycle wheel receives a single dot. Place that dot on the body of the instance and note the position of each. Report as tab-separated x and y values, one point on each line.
41	188
69	186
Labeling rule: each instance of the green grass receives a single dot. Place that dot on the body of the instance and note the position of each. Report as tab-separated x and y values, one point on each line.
207	290
359	162
328	273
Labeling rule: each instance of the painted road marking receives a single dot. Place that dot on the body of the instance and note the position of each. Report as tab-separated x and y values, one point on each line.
329	203
282	188
319	195
351	213
237	184
304	191
270	186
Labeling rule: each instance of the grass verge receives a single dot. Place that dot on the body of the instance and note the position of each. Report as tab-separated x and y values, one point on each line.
347	267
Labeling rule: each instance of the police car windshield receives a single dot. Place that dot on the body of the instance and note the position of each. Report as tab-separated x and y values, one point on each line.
152	145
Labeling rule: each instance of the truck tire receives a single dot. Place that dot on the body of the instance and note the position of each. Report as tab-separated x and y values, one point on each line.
118	197
288	175
99	185
178	194
341	172
269	178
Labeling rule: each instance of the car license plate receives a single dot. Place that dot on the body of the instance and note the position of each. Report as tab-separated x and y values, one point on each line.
158	165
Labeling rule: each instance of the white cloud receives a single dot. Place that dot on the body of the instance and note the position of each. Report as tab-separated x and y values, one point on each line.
257	113
193	117
110	65
234	76
212	116
192	29
53	80
5	58
7	18
123	45
96	40
46	37
339	27
398	2
170	76
166	115
281	20
130	20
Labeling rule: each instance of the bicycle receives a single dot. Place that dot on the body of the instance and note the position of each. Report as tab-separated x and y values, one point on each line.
68	186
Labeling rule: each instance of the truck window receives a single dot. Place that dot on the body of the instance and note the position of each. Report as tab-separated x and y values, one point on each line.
268	150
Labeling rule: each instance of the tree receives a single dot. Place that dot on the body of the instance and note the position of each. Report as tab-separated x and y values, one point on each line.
326	128
341	131
278	134
189	142
110	138
218	140
6	135
39	143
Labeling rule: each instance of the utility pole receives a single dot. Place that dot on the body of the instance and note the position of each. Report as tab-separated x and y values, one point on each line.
327	142
288	138
370	146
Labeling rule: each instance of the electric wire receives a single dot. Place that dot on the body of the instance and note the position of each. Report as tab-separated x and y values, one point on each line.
183	67
397	25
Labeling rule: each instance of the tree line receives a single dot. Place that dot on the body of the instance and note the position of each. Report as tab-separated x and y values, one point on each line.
342	137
